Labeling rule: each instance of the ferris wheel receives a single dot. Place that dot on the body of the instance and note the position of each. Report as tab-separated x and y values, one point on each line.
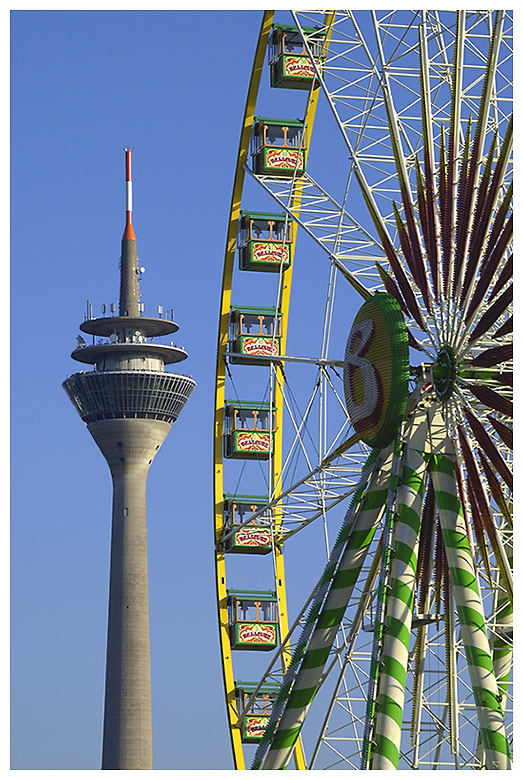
363	427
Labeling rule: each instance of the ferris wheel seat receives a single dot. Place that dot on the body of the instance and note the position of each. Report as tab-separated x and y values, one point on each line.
250	540
291	67
254	334
249	429
254	538
264	256
278	147
256	628
250	635
253	727
264	241
279	161
256	719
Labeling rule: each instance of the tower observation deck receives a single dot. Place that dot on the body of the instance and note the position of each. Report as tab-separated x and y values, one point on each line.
129	402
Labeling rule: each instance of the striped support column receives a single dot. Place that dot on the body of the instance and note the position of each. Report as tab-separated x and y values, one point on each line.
398	615
372	466
502	637
386	554
470	610
502	649
501	644
316	654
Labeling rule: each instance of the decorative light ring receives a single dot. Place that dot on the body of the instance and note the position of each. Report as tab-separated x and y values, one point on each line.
376	370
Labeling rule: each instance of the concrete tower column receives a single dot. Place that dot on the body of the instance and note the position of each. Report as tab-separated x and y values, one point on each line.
129	446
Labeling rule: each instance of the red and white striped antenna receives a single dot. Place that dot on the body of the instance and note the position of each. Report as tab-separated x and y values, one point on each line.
129	230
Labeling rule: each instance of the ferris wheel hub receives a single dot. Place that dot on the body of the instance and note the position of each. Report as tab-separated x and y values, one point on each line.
444	373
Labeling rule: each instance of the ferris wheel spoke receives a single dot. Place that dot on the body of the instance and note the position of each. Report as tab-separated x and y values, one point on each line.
470	608
372	206
341	404
392	288
482	514
491	399
298	429
505	330
488	269
496	246
401	278
503	278
411	248
473	512
483	113
504	432
449	197
492	314
484	212
486	444
505	377
495	488
409	236
328	313
428	214
454	263
465	355
338	234
494	356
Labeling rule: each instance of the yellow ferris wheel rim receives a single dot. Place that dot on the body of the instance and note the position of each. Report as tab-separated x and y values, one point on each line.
225	302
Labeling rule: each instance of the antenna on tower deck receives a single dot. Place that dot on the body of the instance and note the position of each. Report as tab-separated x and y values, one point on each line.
129	231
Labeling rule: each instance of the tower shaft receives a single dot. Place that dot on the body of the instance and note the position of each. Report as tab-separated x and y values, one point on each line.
129	446
129	402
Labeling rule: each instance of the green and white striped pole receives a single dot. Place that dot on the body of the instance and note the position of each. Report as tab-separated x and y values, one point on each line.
469	608
371	467
315	656
386	554
501	644
502	635
386	736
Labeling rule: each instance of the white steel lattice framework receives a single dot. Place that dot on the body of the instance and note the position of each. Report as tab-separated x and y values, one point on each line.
412	196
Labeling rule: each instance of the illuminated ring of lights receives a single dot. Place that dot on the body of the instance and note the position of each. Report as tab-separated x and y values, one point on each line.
376	370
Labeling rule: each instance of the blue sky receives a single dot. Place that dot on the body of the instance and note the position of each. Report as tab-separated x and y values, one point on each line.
84	84
172	84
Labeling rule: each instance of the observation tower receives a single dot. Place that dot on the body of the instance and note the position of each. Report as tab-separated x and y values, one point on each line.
129	403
